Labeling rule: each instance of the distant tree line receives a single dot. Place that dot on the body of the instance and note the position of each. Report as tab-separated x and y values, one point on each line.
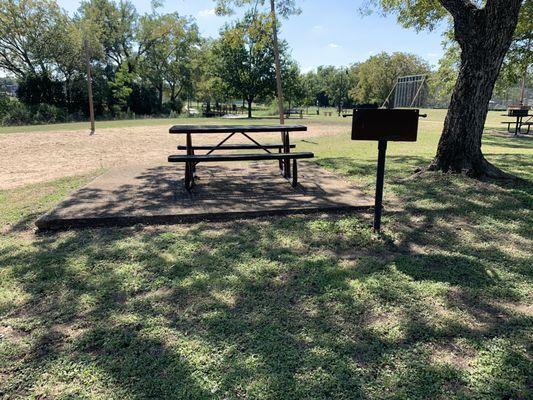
140	63
370	81
154	63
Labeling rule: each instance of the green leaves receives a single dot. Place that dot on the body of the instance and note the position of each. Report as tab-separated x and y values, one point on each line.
244	57
169	47
283	7
418	14
121	87
29	34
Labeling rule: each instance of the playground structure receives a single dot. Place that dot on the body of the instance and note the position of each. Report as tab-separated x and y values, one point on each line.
408	91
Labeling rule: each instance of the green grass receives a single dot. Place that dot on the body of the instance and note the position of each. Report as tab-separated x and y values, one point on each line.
23	205
435	116
311	307
132	123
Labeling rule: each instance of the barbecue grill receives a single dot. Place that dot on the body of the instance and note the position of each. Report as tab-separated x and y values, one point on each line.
383	125
518	111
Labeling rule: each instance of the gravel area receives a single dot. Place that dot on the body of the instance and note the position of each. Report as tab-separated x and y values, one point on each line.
27	158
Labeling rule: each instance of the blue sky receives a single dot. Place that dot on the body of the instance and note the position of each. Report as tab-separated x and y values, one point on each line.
326	33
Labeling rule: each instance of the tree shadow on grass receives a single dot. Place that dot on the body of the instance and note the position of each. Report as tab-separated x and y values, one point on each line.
271	308
515	142
395	166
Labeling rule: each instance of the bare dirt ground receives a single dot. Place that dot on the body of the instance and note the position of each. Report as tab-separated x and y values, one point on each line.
27	158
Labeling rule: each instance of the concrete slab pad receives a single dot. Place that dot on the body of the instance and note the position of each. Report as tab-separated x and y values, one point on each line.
156	194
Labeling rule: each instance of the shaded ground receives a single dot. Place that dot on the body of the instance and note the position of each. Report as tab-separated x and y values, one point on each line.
156	195
296	307
315	307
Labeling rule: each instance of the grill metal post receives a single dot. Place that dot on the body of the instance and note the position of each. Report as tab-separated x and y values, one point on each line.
382	150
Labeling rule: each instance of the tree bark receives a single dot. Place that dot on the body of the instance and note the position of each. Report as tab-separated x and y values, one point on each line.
279	85
160	96
484	36
250	101
68	93
89	85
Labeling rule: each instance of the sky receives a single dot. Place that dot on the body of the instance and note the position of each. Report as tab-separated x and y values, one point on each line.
327	32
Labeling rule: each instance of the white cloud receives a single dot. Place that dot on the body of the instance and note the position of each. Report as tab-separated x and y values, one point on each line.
318	28
432	55
209	12
305	70
334	45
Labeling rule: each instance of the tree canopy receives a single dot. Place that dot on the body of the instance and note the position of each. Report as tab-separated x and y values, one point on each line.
244	56
152	63
376	76
283	7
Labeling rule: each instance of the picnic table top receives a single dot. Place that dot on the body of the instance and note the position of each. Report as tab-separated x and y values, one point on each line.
182	129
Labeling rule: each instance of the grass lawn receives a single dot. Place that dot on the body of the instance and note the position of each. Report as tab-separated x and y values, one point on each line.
260	117
314	307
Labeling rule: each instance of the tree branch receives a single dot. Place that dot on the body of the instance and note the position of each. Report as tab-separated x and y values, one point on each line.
495	6
458	8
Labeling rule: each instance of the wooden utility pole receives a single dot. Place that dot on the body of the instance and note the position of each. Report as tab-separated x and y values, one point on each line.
523	90
89	84
278	62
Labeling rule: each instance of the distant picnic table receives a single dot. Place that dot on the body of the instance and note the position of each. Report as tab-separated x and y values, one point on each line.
294	111
518	122
283	154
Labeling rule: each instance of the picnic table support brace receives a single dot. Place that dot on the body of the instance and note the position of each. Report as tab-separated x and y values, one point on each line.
257	143
190	168
188	175
220	143
382	150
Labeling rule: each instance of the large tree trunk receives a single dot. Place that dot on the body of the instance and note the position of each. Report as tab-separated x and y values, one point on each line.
68	93
484	36
250	101
160	96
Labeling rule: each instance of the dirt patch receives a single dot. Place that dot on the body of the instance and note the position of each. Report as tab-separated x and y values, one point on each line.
11	334
27	158
457	355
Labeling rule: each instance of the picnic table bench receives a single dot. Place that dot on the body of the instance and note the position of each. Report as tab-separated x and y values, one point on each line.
283	156
294	111
518	126
518	122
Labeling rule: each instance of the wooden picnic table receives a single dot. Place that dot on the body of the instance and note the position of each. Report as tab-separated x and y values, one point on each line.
284	156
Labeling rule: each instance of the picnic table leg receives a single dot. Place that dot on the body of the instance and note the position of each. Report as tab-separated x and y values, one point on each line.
287	149
294	173
190	168
282	162
188	176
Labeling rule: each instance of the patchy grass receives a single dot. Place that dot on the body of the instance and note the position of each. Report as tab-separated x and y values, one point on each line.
20	207
314	307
